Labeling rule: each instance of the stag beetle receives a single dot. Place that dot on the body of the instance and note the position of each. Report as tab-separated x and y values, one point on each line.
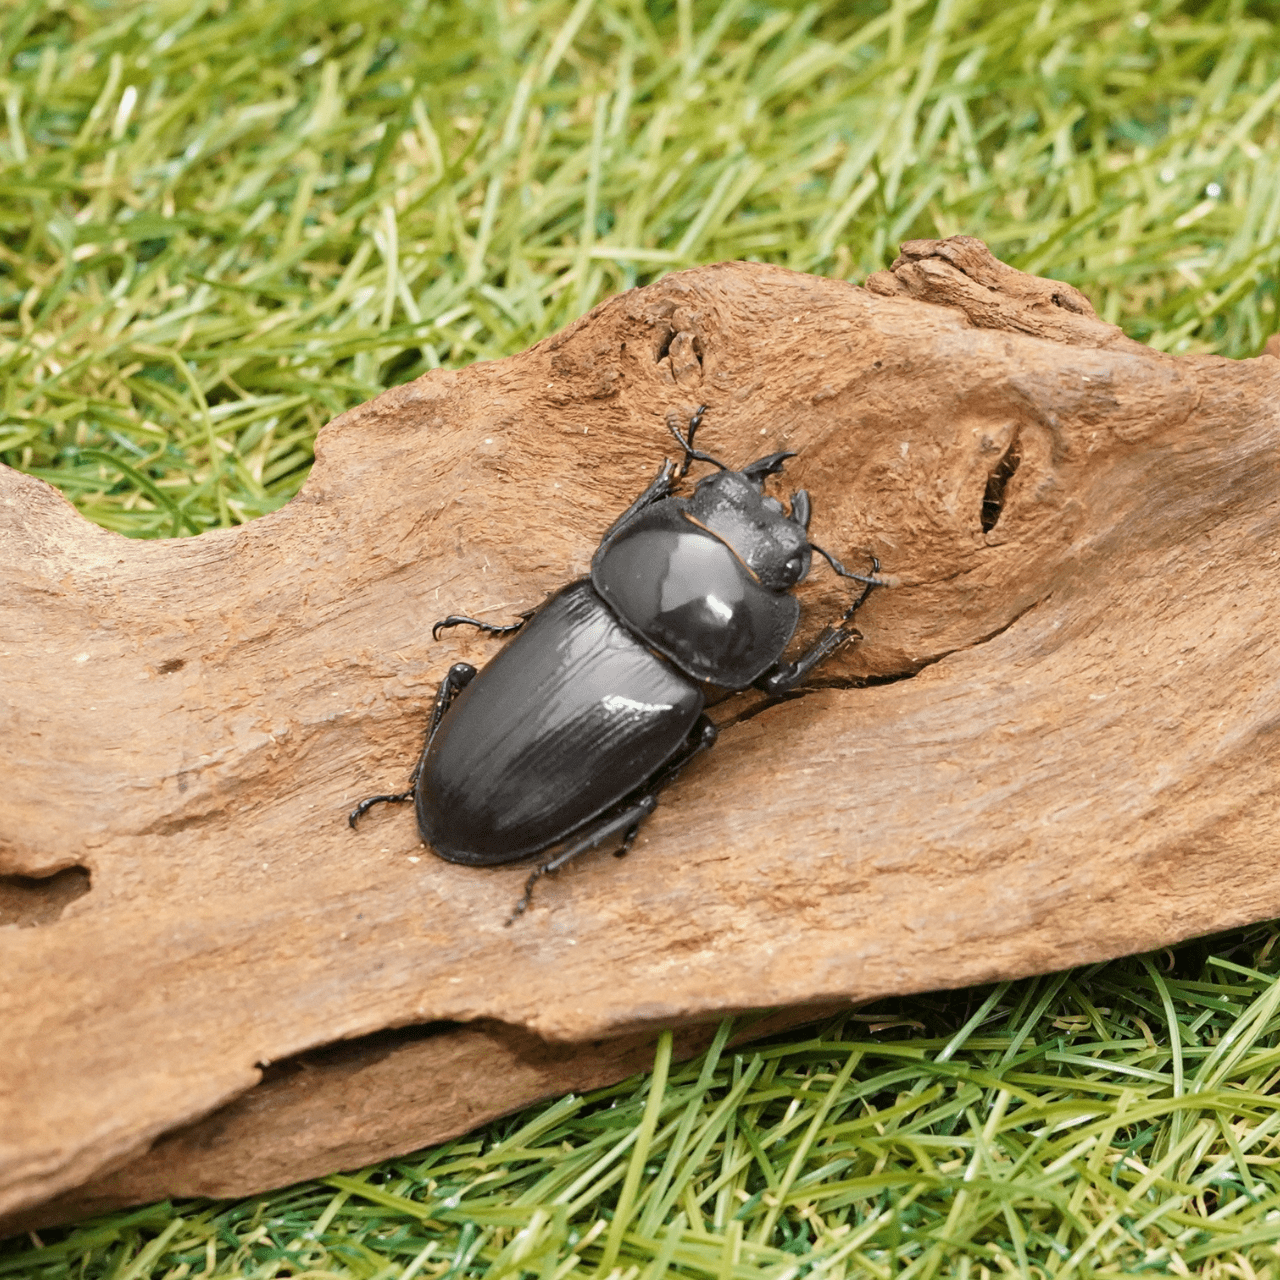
573	729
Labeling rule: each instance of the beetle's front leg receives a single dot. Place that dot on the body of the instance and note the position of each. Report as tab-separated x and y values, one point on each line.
786	676
662	485
459	676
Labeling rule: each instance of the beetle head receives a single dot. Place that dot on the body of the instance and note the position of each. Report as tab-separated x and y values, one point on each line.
772	542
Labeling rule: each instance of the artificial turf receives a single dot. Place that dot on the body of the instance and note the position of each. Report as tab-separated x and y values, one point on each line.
223	223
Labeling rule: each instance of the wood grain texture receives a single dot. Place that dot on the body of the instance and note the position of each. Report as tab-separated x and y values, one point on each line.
1069	752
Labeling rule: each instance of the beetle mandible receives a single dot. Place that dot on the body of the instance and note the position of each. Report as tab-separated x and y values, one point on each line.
571	731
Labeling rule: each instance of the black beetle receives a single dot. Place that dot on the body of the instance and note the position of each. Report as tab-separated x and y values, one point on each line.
573	729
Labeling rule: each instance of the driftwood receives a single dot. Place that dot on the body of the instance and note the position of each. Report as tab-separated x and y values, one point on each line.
1054	745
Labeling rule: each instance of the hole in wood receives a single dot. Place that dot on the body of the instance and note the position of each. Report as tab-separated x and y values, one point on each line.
28	902
997	482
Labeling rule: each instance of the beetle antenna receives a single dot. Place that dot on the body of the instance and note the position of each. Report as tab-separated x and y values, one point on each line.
691	454
872	581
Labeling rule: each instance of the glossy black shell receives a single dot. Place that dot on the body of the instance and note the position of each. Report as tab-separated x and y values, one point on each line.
570	716
691	597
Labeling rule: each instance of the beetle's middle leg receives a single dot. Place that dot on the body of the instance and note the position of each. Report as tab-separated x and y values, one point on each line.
701	738
459	676
786	676
488	628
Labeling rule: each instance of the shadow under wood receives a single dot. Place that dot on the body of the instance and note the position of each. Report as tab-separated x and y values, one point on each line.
30	901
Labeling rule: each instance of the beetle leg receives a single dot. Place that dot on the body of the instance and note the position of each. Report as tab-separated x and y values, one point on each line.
659	487
627	841
786	676
872	581
459	676
692	455
663	483
459	620
630	817
701	738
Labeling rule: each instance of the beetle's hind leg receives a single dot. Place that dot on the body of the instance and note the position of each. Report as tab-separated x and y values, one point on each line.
459	676
628	818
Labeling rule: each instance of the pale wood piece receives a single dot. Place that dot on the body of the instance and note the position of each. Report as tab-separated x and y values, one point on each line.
1073	757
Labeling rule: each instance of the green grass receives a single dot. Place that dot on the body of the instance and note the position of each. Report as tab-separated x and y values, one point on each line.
223	223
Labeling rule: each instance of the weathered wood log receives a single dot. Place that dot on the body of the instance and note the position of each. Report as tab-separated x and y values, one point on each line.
350	1104
1066	751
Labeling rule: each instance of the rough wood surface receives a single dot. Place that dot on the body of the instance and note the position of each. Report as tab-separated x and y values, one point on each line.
1070	753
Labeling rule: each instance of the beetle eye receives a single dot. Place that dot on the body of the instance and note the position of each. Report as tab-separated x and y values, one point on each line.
793	568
